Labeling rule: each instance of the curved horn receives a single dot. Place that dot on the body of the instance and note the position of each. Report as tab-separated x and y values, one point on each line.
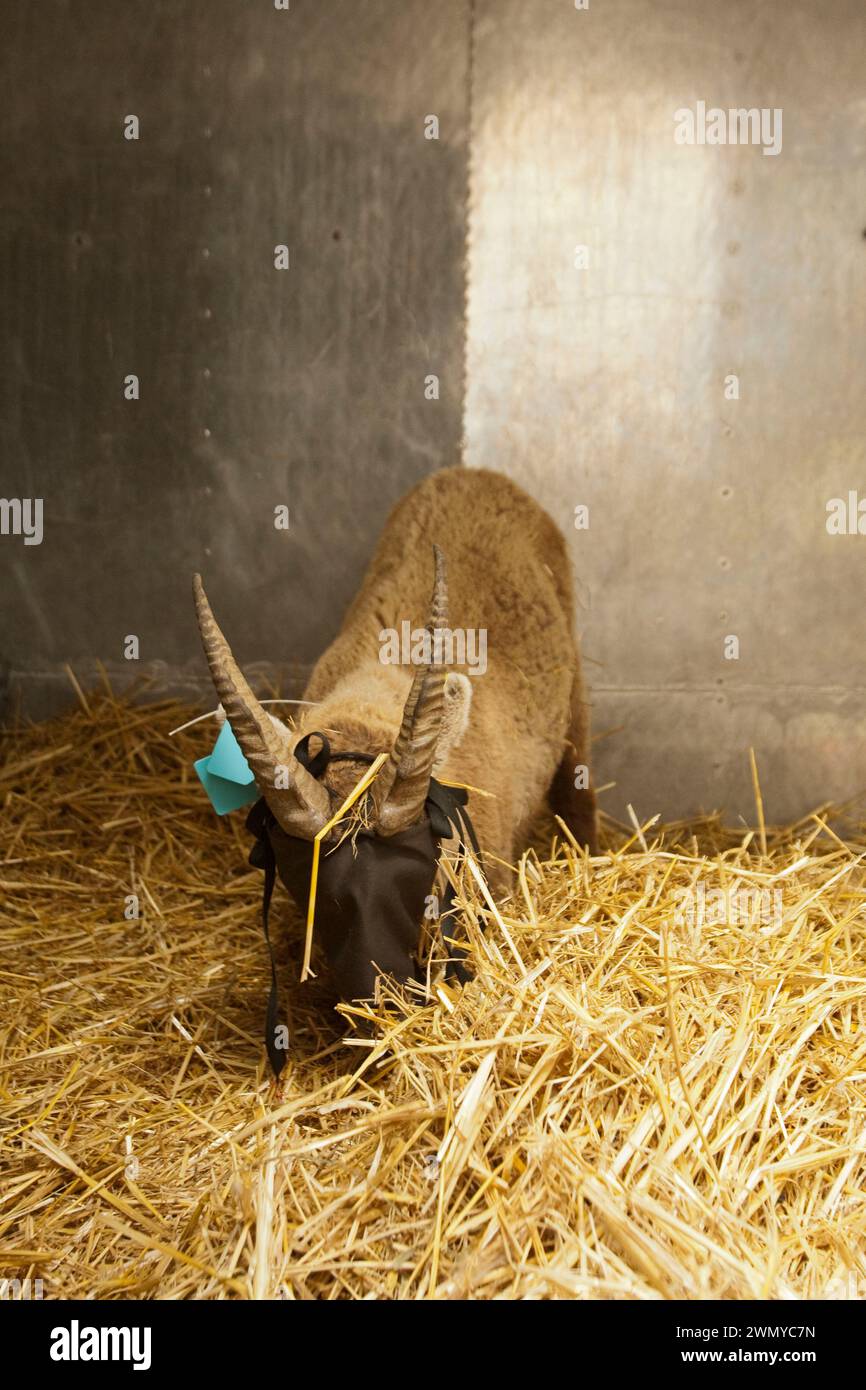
302	806
405	779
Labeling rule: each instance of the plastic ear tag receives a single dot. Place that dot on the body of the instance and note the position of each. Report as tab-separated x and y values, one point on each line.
226	775
228	761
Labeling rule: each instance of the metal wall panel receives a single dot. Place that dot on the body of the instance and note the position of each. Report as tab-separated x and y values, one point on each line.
258	387
605	386
602	386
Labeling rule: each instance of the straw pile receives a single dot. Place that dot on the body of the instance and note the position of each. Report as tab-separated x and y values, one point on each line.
629	1101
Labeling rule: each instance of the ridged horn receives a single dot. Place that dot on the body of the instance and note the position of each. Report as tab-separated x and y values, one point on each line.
302	806
405	779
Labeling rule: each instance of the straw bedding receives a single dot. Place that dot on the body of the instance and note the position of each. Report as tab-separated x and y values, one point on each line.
627	1102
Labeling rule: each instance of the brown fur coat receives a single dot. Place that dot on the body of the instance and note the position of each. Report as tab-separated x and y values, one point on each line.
508	572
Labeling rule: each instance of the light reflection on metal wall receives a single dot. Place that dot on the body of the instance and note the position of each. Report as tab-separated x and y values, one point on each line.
605	386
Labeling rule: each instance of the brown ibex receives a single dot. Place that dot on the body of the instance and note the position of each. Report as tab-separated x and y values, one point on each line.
520	731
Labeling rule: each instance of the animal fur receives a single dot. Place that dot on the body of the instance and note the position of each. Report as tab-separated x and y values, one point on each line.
519	730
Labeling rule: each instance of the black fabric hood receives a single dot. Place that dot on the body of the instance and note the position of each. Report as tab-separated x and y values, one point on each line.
371	895
370	900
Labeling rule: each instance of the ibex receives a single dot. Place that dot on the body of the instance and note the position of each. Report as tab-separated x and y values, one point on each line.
519	732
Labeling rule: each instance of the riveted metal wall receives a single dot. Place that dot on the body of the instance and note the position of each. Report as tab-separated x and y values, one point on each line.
259	387
597	377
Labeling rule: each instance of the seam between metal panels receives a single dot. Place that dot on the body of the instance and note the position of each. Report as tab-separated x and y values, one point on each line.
467	216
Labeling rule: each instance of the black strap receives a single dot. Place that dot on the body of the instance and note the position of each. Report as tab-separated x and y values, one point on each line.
446	807
317	764
262	857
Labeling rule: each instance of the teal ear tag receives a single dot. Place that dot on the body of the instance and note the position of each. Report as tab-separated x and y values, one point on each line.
228	761
226	775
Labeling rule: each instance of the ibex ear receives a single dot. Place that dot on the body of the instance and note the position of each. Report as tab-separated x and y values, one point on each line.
455	719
